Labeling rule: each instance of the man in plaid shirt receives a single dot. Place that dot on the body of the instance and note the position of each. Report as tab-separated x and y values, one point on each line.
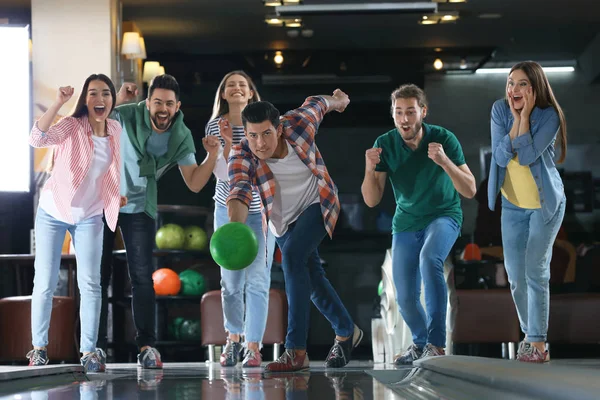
279	157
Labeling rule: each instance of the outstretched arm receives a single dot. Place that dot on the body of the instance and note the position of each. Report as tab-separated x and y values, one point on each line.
196	176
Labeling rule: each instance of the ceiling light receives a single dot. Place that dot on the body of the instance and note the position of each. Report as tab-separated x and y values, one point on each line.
449	17
293	22
438	49
274	21
358	8
438	64
277	3
278	59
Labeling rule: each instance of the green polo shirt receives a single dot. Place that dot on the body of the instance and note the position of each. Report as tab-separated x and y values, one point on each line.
422	189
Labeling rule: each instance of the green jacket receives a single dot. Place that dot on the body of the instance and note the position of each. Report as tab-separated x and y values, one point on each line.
136	120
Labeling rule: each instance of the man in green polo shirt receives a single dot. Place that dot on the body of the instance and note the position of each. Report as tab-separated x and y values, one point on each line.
426	167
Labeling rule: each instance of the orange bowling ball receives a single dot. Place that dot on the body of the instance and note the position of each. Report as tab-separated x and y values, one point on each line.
166	282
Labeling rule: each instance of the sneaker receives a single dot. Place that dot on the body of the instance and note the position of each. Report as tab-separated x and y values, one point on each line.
150	358
101	355
532	354
252	359
523	346
231	354
432	351
37	357
91	363
288	362
339	355
411	354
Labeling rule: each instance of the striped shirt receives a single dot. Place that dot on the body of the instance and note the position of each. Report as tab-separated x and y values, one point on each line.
300	127
222	187
74	151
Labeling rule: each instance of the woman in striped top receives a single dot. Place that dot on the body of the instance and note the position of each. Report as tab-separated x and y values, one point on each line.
245	293
84	185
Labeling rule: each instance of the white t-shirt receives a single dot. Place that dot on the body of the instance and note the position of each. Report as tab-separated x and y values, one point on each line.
296	188
87	201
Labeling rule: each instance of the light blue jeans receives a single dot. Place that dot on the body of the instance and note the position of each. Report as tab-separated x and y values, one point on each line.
527	242
417	255
245	293
87	240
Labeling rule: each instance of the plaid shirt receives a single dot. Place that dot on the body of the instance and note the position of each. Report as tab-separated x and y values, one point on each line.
299	129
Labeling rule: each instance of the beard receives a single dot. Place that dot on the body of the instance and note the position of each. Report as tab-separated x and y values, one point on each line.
411	134
162	124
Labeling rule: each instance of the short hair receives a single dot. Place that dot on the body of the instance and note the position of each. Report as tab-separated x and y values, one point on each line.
260	111
165	81
409	91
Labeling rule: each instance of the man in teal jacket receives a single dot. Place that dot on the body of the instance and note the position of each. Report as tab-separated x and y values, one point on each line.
154	139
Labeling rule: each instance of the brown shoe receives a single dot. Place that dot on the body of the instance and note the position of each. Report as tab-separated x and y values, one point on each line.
288	362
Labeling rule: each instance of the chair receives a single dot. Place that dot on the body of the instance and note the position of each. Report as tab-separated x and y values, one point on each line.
15	329
213	332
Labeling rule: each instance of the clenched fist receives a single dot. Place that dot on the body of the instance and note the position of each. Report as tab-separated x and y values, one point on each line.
342	100
127	93
437	154
212	145
372	158
64	94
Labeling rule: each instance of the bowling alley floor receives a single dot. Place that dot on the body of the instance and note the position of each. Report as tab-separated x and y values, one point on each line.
451	377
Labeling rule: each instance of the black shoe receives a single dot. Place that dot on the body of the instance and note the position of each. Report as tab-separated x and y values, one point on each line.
339	355
411	354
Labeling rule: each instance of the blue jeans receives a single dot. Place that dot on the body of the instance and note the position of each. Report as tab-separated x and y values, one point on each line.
422	254
527	242
305	280
87	240
245	293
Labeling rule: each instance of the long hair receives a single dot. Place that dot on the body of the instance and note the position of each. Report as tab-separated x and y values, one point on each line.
81	108
220	106
544	98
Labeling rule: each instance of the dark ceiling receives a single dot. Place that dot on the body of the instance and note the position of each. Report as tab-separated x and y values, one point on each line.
531	29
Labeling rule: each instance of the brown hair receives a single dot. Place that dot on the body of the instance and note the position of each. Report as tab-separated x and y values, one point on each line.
544	97
409	91
81	110
220	106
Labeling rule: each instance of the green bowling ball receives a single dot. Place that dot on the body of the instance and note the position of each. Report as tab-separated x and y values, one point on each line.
234	246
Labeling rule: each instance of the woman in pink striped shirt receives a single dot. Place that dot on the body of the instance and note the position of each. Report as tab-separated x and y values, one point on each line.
83	186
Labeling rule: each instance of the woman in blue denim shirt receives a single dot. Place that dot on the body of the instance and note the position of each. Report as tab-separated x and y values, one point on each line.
524	129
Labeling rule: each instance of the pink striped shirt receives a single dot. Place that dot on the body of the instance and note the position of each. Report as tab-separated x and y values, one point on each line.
74	150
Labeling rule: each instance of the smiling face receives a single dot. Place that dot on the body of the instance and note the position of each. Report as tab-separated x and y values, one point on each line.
408	117
99	100
518	83
163	106
237	90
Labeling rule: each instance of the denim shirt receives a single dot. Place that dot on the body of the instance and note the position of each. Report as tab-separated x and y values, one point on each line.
534	148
